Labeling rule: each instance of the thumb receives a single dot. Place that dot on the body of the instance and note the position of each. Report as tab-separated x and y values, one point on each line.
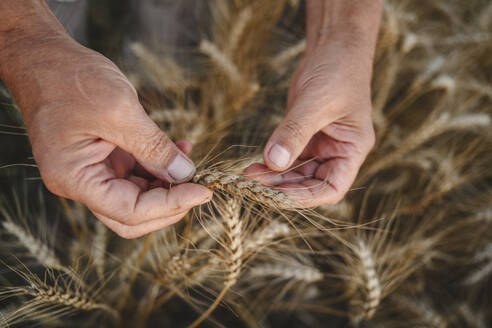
153	149
293	134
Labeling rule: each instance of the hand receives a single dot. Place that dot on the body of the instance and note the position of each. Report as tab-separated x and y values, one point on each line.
327	132
93	141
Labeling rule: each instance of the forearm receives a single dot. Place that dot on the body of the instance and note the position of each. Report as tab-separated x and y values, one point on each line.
28	31
352	23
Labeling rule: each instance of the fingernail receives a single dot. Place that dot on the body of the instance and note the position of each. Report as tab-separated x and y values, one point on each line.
181	168
279	156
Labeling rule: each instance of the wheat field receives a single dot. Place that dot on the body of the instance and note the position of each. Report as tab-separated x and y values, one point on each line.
409	246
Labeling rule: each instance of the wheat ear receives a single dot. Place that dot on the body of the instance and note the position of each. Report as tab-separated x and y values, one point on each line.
99	248
421	308
483	271
373	286
234	231
284	57
220	60
266	235
238	29
236	185
445	122
301	273
57	299
38	249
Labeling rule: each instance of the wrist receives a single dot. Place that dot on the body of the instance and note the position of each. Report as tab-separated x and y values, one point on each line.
353	25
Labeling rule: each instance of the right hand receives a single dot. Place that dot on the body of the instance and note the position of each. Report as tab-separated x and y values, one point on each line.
94	143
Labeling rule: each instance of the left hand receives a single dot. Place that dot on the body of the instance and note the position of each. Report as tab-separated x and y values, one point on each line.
315	153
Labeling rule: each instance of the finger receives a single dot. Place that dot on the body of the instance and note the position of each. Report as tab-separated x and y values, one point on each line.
310	193
121	162
265	176
290	138
124	201
142	183
129	232
340	173
331	182
141	137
